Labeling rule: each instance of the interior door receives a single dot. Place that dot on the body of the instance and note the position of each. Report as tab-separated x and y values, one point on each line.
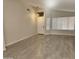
40	25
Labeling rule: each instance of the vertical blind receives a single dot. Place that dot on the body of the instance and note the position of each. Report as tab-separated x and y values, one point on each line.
61	23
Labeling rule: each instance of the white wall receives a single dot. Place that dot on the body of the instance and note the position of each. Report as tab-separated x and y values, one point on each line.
57	13
17	22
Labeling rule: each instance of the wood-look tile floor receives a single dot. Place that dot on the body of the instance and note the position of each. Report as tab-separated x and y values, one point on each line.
43	47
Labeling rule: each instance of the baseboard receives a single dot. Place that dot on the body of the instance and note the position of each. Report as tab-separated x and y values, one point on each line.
33	35
59	34
20	39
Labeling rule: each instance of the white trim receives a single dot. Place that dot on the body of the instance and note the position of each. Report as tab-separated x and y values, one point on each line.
59	34
20	39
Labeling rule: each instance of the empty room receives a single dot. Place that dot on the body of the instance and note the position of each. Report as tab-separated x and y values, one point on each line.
39	29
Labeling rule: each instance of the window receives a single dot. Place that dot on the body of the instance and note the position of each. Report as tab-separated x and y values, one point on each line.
61	23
